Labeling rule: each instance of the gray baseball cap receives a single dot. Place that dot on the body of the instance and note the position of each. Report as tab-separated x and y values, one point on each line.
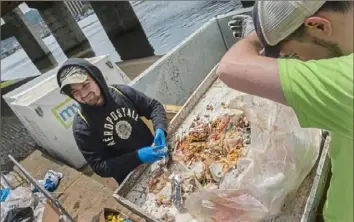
276	20
72	75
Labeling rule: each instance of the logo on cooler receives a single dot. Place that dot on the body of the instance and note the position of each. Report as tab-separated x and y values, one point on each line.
65	112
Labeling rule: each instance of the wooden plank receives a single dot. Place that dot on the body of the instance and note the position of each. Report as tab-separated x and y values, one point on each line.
80	195
172	108
37	164
135	209
319	185
171	111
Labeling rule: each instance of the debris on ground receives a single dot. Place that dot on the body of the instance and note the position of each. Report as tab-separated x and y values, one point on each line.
21	203
50	181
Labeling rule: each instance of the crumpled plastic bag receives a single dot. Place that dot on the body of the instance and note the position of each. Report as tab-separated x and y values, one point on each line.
22	197
50	181
279	157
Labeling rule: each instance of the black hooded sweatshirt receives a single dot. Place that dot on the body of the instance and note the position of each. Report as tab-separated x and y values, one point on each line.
113	133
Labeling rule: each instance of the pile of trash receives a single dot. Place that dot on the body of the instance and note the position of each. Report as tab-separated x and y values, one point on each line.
21	204
25	203
207	152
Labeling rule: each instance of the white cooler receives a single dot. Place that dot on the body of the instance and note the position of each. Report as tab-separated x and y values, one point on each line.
48	115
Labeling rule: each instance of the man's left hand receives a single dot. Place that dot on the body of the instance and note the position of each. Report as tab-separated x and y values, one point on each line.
241	25
160	139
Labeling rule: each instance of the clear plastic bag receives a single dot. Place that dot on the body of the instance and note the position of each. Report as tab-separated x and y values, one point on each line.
20	197
279	157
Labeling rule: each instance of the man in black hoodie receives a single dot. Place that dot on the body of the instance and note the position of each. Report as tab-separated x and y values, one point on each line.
112	127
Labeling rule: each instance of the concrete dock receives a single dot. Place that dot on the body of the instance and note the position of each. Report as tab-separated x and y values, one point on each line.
82	196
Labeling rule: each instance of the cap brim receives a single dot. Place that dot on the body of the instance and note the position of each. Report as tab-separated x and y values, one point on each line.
269	51
75	79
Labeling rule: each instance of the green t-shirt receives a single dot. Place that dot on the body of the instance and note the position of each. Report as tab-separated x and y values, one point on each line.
321	93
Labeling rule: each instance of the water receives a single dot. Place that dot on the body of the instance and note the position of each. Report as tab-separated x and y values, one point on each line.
166	24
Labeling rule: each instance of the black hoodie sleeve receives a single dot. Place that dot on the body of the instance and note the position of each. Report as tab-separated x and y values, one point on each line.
146	106
93	151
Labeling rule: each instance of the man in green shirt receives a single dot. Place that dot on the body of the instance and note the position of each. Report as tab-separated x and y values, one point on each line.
318	85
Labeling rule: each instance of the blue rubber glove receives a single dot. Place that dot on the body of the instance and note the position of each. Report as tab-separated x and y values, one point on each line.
160	139
49	185
3	194
151	154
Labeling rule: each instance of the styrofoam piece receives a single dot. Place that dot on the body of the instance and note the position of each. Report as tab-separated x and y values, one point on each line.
173	78
48	115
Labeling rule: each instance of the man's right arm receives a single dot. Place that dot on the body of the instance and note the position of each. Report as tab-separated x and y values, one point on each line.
320	92
93	151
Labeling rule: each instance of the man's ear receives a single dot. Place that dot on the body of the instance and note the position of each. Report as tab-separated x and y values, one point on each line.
317	26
